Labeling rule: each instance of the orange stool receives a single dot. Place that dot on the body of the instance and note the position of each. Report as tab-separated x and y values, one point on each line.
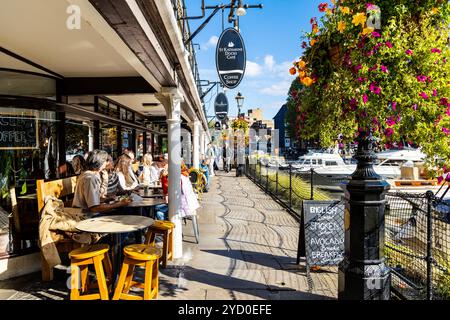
143	255
165	228
80	260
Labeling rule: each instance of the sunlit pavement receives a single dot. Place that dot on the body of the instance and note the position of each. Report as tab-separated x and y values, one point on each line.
247	250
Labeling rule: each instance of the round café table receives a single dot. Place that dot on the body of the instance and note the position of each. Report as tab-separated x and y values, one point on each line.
115	225
146	203
150	194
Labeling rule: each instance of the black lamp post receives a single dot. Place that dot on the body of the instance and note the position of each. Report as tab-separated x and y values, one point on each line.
363	274
240	102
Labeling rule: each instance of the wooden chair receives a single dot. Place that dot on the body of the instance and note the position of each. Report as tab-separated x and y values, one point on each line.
59	189
23	222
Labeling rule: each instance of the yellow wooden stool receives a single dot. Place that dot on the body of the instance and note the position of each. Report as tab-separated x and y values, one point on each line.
165	228
80	260
143	255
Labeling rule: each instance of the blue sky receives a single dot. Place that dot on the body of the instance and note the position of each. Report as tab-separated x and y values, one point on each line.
272	38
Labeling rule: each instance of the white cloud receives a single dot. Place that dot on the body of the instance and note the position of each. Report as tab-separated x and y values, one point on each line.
269	62
279	89
253	69
212	42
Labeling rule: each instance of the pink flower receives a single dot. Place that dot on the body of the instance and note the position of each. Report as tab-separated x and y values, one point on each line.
444	101
440	179
375	121
414	107
357	68
422	78
371	6
365	98
375	88
409	52
436	50
376	34
389	132
424	95
388	145
434	92
360	79
394	105
389	44
400	145
373	68
390	121
384	69
446	131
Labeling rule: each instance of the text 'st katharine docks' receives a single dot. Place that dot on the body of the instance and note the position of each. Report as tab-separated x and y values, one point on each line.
231	58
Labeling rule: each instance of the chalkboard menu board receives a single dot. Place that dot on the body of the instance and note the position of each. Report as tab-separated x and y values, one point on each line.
18	132
322	233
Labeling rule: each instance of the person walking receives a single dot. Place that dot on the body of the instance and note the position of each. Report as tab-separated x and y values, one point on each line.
211	155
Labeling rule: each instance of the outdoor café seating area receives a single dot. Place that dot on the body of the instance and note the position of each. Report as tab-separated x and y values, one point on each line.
110	219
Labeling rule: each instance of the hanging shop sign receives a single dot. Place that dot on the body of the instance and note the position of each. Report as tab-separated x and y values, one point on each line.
231	58
221	106
18	132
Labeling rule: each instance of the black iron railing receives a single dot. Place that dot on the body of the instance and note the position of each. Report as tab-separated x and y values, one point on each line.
417	227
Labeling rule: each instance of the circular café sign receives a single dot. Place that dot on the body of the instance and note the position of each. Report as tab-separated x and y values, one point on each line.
221	106
230	58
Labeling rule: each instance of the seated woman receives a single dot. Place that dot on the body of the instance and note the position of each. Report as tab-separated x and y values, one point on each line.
78	164
162	210
189	203
149	173
127	180
87	191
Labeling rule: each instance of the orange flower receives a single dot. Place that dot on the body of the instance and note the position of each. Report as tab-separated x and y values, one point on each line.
359	18
301	64
313	42
341	26
302	74
345	10
367	30
307	81
315	29
292	71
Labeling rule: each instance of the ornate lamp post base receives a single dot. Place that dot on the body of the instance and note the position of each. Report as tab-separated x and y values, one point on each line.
363	274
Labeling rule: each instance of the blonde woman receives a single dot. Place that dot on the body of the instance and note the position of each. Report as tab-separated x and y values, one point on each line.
150	173
127	180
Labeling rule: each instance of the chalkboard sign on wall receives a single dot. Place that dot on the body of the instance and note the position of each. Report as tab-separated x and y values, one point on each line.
322	233
18	132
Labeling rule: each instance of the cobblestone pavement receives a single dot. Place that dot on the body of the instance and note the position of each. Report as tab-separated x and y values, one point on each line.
247	250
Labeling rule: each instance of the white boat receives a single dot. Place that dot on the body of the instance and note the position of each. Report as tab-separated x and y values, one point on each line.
333	166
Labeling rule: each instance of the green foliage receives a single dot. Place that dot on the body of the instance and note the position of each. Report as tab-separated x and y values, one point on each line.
392	82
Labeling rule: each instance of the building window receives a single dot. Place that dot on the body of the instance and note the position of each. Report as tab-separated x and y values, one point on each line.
28	151
108	139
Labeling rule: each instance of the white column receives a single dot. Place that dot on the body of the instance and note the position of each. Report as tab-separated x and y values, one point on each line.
171	99
202	142
91	137
195	126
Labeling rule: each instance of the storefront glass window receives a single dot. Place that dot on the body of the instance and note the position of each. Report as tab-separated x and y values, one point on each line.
139	144
77	138
28	151
127	136
108	139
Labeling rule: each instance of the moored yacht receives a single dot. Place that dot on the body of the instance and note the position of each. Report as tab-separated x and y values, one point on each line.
333	166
